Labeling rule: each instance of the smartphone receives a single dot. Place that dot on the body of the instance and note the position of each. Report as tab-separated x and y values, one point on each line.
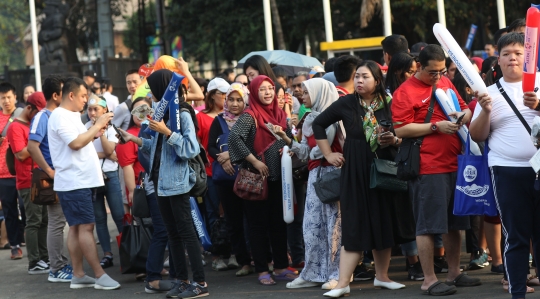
460	119
120	137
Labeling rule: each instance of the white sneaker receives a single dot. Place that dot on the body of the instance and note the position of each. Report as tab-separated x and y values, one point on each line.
300	283
329	285
166	264
219	265
233	264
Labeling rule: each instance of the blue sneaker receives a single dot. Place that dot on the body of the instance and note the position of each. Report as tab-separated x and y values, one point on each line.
63	275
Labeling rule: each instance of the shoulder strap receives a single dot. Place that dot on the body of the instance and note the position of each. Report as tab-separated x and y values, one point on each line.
129	103
223	124
15	113
516	111
430	112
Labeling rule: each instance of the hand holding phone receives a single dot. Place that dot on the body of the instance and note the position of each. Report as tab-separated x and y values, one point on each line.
460	119
119	135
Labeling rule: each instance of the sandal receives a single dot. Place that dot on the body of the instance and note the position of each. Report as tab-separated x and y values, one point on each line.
505	286
440	289
532	280
285	275
106	262
268	278
464	280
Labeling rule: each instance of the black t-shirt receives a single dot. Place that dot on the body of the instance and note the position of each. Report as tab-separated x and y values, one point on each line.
157	155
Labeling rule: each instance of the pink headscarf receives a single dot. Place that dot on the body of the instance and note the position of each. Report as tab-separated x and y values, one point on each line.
229	117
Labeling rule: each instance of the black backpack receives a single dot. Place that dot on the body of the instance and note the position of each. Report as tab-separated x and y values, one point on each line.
198	165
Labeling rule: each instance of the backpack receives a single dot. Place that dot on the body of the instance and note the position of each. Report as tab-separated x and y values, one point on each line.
198	164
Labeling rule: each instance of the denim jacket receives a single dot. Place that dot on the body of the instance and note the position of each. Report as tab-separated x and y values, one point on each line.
175	175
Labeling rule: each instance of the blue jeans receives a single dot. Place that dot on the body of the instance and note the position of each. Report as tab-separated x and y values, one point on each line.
114	200
156	251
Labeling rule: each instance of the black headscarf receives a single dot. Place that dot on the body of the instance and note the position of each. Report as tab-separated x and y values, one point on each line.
158	82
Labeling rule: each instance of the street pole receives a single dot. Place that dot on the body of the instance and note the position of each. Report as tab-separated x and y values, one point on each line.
440	11
328	25
33	26
387	16
500	13
268	25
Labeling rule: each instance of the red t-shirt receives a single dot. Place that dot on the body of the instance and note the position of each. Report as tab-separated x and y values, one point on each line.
127	153
205	122
17	135
4	172
341	91
335	147
410	104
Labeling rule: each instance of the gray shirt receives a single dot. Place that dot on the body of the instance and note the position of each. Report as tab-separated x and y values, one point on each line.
121	116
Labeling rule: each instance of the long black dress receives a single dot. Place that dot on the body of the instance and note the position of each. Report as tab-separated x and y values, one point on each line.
366	214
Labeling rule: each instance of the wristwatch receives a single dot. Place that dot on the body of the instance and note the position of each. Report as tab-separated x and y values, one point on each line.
434	127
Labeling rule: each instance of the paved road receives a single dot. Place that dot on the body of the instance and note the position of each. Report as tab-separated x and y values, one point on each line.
16	283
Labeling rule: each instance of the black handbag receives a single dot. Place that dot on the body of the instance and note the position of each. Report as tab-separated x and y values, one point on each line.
140	204
408	156
134	245
383	175
300	169
327	187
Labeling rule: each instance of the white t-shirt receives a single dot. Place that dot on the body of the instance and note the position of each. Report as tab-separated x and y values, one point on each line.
73	169
509	141
108	165
112	101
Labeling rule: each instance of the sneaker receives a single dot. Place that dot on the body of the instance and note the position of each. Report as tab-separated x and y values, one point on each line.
37	269
485	258
415	272
82	282
497	269
219	265
195	290
166	263
63	275
164	286
362	273
440	265
106	262
16	253
203	261
232	264
44	265
477	262
178	287
105	282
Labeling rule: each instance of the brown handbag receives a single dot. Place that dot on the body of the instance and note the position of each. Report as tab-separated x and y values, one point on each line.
42	188
250	185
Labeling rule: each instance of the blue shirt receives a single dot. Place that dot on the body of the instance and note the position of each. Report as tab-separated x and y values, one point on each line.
38	133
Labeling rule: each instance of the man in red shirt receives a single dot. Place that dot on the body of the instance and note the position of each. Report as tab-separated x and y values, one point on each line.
432	192
36	215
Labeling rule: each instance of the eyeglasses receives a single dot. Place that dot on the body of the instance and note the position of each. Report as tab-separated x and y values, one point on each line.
264	90
434	74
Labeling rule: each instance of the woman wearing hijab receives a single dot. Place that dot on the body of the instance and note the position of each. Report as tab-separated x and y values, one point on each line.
322	222
250	142
233	206
170	149
366	213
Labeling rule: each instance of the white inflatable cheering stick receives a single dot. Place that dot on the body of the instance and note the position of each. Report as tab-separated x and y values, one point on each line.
287	183
463	64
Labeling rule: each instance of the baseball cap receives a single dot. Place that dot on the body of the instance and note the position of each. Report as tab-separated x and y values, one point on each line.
219	84
90	73
37	99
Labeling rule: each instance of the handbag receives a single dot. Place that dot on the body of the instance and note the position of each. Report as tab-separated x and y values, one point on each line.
250	185
474	190
218	173
408	156
140	204
134	245
327	187
300	169
42	192
383	175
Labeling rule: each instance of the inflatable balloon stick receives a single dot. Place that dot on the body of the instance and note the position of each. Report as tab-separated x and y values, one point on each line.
531	48
463	64
287	182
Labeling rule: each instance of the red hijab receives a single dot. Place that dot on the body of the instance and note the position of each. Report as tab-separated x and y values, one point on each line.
263	114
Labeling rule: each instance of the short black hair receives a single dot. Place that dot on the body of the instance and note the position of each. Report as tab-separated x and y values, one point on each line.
431	52
329	65
345	66
416	48
497	35
132	71
227	71
6	87
395	43
516	24
279	72
510	38
72	84
51	85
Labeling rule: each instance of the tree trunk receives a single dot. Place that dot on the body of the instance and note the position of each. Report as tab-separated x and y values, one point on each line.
277	25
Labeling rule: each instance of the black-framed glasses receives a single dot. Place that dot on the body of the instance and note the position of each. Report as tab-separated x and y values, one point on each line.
434	74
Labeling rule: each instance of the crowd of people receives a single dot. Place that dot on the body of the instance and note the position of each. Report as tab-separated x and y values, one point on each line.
345	117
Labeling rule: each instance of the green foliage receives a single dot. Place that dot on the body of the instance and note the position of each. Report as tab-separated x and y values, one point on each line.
131	35
14	17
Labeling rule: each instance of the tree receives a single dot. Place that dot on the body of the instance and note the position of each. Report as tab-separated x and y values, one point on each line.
277	25
14	17
132	35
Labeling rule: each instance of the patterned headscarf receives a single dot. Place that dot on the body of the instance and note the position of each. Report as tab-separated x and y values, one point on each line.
229	117
370	121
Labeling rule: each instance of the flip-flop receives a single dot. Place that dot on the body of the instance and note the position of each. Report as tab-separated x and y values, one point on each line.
440	289
464	280
283	275
267	277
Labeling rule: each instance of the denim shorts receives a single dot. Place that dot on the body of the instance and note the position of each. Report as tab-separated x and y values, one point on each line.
77	206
